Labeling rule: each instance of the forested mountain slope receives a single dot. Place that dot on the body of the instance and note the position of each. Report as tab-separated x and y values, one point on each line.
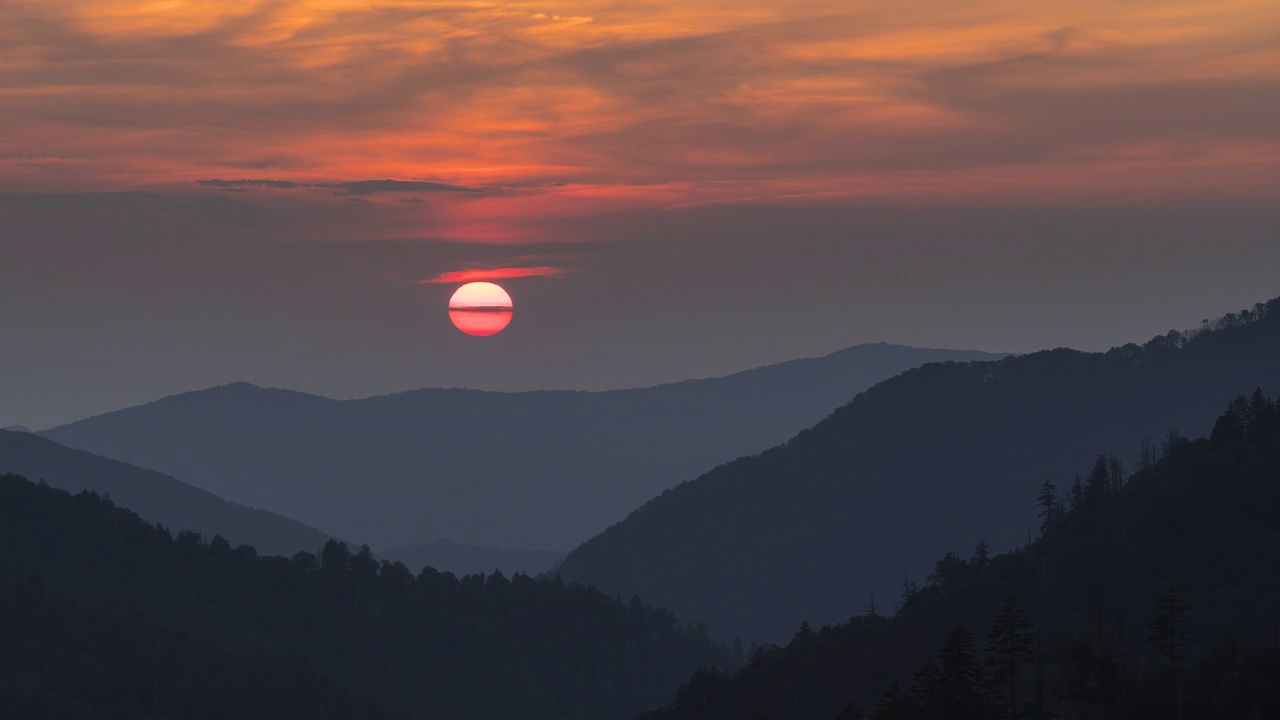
940	455
155	496
94	599
1153	597
531	471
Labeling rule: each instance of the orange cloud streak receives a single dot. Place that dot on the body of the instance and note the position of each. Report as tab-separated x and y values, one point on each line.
473	275
560	105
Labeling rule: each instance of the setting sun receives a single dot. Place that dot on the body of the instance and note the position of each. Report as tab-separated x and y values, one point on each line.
480	308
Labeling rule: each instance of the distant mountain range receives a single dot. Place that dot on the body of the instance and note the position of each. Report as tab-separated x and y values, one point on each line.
937	457
155	496
17	428
532	470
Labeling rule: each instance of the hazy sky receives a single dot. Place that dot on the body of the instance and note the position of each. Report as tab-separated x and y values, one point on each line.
193	193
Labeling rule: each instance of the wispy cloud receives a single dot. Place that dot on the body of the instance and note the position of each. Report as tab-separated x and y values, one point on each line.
746	101
252	183
475	274
358	187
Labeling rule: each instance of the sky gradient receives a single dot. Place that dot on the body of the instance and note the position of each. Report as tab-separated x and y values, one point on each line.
288	191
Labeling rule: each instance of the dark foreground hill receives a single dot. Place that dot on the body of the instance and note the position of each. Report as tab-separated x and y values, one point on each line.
1154	598
536	471
156	497
940	455
103	615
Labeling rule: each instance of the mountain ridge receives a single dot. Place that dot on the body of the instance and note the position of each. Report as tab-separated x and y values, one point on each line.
155	496
939	455
538	470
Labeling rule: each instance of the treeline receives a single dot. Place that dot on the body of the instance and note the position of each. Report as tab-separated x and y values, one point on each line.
1149	595
104	615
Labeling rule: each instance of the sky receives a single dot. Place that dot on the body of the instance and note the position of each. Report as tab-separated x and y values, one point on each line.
288	191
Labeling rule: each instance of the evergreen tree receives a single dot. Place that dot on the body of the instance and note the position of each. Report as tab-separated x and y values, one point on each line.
1009	647
909	592
926	689
895	705
981	557
1169	628
961	678
1098	484
1261	419
1077	494
1049	504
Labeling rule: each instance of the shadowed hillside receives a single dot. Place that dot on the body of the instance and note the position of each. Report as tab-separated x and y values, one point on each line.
938	456
103	615
157	497
538	470
1149	597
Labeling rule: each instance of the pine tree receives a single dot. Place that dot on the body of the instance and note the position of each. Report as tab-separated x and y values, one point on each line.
894	705
1260	419
926	688
1098	485
961	676
981	556
1009	647
1049	505
1077	494
1169	629
909	592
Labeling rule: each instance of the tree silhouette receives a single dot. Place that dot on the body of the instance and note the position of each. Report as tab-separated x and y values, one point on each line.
851	712
1169	628
1049	504
1009	647
961	678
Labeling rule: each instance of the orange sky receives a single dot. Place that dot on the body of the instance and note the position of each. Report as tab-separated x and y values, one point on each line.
567	107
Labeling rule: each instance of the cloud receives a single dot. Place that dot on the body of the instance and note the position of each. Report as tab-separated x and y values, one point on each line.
369	187
753	101
286	184
472	275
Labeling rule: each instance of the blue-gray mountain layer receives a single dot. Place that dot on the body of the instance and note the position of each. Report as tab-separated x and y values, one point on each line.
534	470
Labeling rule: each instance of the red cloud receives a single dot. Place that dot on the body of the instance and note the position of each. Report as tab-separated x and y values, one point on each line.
472	275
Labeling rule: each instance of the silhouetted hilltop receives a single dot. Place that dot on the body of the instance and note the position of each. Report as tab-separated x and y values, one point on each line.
103	612
536	470
17	428
1150	597
459	559
157	497
937	456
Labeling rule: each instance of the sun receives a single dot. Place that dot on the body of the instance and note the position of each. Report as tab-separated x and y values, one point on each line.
480	308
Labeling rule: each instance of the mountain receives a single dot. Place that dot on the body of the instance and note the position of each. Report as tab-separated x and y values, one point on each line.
102	611
157	497
459	559
1151	598
943	454
533	470
16	428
